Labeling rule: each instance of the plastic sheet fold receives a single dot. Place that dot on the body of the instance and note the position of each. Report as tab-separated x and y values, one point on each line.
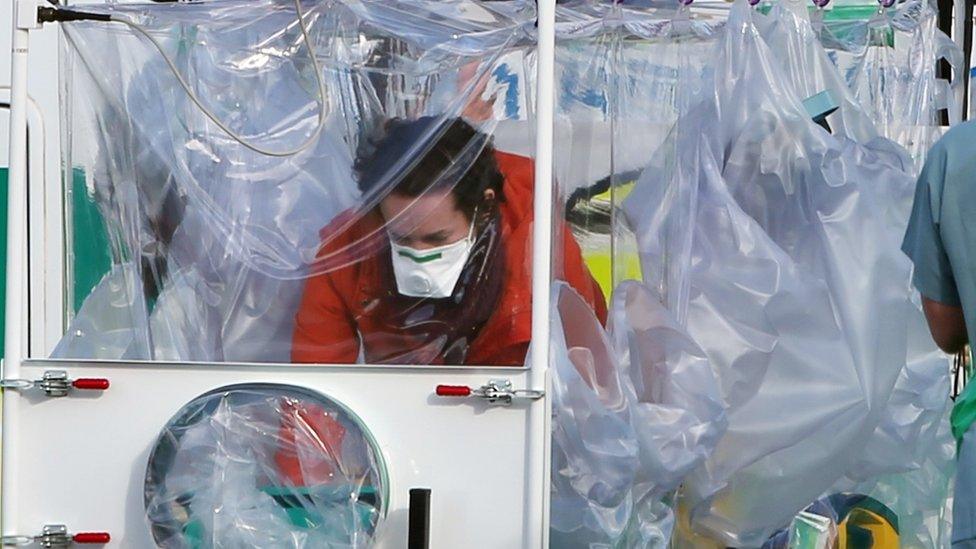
635	409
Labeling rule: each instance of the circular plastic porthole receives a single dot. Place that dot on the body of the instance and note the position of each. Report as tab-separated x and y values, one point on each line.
265	465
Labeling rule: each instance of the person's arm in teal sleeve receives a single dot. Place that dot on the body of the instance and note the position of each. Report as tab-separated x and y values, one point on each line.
933	272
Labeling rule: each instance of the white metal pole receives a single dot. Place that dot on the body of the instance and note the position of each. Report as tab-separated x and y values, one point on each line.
537	511
16	262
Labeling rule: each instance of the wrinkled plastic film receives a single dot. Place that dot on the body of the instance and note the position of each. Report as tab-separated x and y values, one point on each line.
662	211
211	185
768	242
636	408
889	61
240	243
790	33
625	75
909	461
636	405
262	466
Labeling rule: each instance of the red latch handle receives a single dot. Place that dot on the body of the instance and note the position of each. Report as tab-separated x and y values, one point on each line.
90	383
453	391
92	537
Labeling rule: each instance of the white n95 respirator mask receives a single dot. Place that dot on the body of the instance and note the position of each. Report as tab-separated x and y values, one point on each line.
432	272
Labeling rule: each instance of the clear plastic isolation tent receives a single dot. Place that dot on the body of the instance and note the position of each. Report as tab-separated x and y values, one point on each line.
710	273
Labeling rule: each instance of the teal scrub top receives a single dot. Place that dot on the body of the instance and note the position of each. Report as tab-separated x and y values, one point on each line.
941	239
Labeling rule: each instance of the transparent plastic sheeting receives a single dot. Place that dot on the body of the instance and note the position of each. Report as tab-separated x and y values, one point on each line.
622	79
265	465
636	407
778	244
909	461
889	60
624	76
398	231
618	73
907	451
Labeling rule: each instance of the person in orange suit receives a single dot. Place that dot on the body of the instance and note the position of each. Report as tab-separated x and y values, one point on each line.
436	267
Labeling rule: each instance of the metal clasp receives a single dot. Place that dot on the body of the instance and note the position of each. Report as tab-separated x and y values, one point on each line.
55	383
496	391
501	391
56	535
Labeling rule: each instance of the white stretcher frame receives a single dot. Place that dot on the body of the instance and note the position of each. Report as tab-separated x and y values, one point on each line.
17	361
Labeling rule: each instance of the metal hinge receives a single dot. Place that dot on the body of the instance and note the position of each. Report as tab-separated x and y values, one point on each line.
496	391
56	383
56	535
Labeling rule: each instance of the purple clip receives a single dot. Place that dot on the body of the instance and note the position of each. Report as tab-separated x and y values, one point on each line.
821	3
685	2
754	2
887	3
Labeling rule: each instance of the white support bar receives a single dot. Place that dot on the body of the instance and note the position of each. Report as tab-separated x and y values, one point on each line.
46	293
537	510
25	18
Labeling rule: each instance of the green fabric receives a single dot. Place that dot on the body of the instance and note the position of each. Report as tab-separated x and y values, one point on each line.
90	251
3	253
964	412
303	513
941	238
90	248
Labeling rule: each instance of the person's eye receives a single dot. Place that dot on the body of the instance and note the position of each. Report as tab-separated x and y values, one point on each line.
436	239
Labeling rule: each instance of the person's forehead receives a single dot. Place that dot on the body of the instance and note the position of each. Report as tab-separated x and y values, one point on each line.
434	202
407	212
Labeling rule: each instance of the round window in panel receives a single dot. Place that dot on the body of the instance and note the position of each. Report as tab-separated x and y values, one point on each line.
265	465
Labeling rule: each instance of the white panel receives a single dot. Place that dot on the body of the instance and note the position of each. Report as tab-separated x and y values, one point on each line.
46	232
46	239
80	460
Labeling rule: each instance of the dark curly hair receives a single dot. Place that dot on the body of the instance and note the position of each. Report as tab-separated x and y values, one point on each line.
451	139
